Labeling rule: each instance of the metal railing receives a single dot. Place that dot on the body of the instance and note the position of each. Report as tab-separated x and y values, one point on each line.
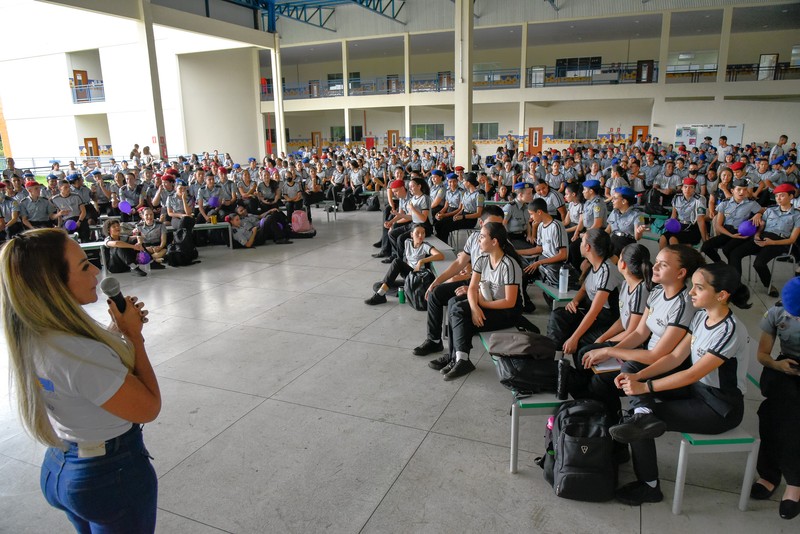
82	94
433	82
605	74
691	74
496	79
385	85
749	73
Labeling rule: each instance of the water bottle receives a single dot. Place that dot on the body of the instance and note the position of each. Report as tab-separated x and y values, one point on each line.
496	197
486	290
563	279
562	384
401	295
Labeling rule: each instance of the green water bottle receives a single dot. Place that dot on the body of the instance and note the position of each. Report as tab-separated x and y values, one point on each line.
401	296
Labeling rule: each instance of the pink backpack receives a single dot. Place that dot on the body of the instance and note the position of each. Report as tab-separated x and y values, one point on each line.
300	222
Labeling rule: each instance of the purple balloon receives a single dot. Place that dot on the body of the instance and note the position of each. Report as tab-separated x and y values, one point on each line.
262	222
672	226
747	229
213	202
125	207
143	258
70	225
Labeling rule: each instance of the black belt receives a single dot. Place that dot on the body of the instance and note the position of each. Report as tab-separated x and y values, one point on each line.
620	234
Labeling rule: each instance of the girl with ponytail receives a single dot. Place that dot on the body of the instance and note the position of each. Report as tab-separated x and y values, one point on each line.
494	298
706	397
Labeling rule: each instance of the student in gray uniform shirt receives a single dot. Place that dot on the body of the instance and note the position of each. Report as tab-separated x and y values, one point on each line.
70	207
626	221
730	214
36	211
778	416
594	308
549	246
594	216
689	209
452	202
416	255
154	237
707	397
516	215
10	219
553	199
778	231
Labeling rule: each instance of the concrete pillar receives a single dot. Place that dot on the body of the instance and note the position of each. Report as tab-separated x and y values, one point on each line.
407	64
277	97
259	118
345	74
523	59
463	81
521	140
153	100
663	54
407	124
724	45
347	125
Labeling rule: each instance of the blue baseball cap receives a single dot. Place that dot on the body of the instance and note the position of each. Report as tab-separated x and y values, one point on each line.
790	297
778	160
591	183
452	176
614	161
624	191
72	177
787	163
437	172
27	174
237	166
522	185
535	159
180	181
95	172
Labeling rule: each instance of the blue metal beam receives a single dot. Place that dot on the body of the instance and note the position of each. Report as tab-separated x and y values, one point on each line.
307	13
384	8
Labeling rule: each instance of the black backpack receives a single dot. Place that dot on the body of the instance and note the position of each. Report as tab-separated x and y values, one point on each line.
348	200
373	203
182	251
415	287
579	457
525	362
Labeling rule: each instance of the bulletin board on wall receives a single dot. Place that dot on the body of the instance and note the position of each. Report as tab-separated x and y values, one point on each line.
693	134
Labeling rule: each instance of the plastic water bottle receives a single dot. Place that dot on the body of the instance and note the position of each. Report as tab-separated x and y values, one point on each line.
563	279
401	296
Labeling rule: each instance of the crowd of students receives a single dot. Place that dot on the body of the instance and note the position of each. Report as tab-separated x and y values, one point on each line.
683	354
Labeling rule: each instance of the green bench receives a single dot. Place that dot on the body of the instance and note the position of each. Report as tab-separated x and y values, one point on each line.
96	245
552	292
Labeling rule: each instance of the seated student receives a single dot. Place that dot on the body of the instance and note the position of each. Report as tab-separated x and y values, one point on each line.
549	244
291	193
268	192
666	318
121	249
437	192
154	237
10	221
246	188
416	255
312	191
245	233
493	298
706	397
471	205
85	194
594	307
617	180
553	199
689	209
637	271
778	416
276	225
516	215
70	208
730	214
416	211
778	231
130	192
37	211
179	205
452	202
574	198
452	282
722	191
396	198
206	207
594	216
626	221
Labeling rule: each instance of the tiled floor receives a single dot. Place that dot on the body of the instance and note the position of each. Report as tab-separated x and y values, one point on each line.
290	406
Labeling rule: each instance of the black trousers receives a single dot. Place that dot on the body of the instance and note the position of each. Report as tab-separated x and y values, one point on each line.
461	329
562	324
405	236
689	234
120	259
726	243
763	255
291	206
438	299
396	268
83	228
575	257
618	242
683	410
779	427
386	247
397	231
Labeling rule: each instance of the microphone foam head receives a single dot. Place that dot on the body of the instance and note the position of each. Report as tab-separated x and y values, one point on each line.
110	286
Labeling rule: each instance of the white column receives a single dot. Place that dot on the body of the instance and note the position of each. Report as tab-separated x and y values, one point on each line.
153	100
407	64
521	140
345	74
407	124
523	60
724	45
277	96
663	54
347	125
259	118
463	82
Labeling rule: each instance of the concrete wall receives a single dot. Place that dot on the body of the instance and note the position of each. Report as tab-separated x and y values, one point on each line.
88	60
221	111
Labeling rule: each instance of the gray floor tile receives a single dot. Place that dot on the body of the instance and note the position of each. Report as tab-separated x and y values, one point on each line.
287	468
228	304
288	277
401	326
250	360
169	523
457	485
23	508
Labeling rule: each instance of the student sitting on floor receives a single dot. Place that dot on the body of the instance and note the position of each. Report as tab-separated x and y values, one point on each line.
122	249
418	253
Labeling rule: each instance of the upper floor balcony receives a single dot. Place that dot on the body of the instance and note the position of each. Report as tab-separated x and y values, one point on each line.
93	92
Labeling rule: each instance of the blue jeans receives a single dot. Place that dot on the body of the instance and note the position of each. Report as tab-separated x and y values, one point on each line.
115	493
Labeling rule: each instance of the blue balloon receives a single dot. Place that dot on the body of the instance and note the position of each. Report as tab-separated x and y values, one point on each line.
672	226
70	225
747	229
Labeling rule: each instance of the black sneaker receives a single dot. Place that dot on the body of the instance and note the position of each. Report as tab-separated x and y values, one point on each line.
529	307
638	492
773	292
379	255
760	492
138	272
440	363
390	259
447	368
428	347
377	244
376	299
461	368
638	426
157	266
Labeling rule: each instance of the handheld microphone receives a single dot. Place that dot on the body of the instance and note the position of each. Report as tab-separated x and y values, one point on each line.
110	286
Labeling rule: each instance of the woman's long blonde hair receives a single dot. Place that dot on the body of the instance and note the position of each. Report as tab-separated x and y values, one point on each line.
36	301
